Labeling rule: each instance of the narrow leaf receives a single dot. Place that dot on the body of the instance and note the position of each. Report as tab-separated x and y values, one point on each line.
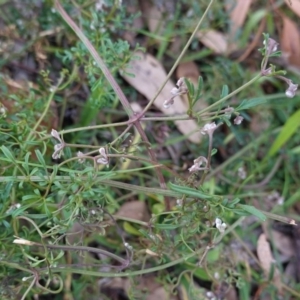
7	153
225	91
40	158
253	211
286	133
189	191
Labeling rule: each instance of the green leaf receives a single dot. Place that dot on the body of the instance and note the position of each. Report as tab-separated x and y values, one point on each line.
26	161
246	104
286	133
40	158
199	88
157	208
225	91
189	191
130	229
233	203
253	211
7	153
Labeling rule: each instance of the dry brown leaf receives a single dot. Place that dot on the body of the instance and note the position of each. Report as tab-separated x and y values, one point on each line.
238	11
136	210
138	22
290	41
188	70
160	293
266	259
294	5
283	243
149	75
213	40
153	16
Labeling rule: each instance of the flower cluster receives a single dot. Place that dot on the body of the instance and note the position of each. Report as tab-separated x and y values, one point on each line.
209	128
180	90
220	225
58	148
103	160
272	47
276	197
238	120
80	156
291	90
198	163
242	173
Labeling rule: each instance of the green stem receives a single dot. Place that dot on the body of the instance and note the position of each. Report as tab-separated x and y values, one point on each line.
124	274
45	110
229	95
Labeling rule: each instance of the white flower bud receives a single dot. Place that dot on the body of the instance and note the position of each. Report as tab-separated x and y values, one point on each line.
209	128
291	90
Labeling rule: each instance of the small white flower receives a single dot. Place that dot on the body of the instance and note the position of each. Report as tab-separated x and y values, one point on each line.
180	90
238	120
13	207
220	226
80	156
242	173
58	148
55	134
276	197
198	163
92	26
103	160
208	128
99	4
228	111
168	102
180	82
280	200
3	112
179	202
175	91
271	46
58	151
25	278
267	72
217	275
129	247
291	90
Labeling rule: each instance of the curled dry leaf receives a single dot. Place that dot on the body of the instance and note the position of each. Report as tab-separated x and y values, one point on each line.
290	41
294	5
149	75
266	259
